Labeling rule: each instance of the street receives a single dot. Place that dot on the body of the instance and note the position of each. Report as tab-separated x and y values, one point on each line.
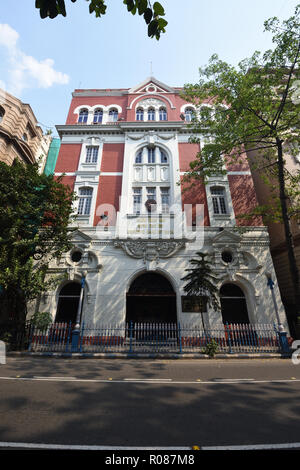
144	403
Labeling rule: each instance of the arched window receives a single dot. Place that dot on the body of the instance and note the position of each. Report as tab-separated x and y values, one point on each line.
139	114
233	304
151	155
218	200
113	115
163	157
83	116
68	302
85	201
151	114
139	157
163	114
98	116
189	114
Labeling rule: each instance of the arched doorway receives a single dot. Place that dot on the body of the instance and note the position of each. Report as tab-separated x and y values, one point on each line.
68	302
233	304
151	299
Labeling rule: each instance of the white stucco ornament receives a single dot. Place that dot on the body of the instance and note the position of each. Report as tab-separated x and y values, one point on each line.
150	250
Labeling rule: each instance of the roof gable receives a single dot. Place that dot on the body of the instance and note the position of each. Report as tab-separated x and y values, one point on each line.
151	85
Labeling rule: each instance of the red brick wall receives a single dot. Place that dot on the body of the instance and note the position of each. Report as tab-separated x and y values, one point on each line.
68	158
195	195
187	154
243	199
109	192
112	158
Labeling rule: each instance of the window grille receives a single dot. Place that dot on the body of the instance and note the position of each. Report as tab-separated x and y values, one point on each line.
91	154
83	116
218	200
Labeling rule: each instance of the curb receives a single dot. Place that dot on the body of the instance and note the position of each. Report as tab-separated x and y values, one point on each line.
147	356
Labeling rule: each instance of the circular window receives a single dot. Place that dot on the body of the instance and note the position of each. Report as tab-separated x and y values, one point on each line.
227	257
76	256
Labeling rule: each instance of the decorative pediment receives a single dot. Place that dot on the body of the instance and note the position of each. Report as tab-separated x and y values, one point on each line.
150	250
81	239
226	238
151	85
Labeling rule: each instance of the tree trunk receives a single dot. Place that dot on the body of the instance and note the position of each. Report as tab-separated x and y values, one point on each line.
287	228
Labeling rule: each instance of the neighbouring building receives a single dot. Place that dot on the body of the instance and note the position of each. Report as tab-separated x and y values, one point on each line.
20	135
277	235
52	156
124	152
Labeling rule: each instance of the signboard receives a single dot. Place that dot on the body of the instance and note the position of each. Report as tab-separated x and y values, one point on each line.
194	304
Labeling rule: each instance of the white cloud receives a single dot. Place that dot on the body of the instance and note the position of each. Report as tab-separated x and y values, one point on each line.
25	71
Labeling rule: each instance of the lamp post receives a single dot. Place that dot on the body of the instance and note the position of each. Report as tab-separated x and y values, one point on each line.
76	331
282	334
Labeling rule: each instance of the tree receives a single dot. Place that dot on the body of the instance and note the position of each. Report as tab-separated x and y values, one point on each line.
256	110
152	14
201	281
35	211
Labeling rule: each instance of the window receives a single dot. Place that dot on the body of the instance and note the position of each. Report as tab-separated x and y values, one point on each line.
139	114
163	157
162	114
218	200
151	114
91	154
113	115
165	200
2	112
83	116
151	193
137	200
98	116
189	114
139	157
151	155
25	137
85	201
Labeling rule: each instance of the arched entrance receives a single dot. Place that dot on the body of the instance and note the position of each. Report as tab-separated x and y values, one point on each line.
151	299
68	302
233	304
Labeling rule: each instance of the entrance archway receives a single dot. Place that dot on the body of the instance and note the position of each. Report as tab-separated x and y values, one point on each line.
151	299
233	304
68	302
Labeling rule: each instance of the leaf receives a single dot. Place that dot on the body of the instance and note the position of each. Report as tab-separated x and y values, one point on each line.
152	28
148	15
158	9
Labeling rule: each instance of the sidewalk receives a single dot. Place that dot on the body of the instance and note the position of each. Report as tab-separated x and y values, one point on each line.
182	356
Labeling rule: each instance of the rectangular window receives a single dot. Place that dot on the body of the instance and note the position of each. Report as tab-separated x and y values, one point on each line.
137	200
165	200
151	155
218	200
85	201
91	154
151	193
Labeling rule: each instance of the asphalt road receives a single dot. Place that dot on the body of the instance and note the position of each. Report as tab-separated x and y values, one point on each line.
146	403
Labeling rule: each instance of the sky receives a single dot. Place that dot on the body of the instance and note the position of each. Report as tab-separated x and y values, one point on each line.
43	61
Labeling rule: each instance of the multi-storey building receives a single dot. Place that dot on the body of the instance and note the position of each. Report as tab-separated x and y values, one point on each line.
20	135
125	152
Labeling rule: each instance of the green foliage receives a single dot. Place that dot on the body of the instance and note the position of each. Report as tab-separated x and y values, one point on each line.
211	348
152	15
35	212
201	280
41	320
255	112
6	337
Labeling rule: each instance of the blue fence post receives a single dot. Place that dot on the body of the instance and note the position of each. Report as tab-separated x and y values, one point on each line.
179	338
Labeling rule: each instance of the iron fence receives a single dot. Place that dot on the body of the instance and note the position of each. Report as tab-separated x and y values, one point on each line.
156	338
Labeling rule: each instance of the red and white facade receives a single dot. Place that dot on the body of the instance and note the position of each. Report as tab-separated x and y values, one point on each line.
122	149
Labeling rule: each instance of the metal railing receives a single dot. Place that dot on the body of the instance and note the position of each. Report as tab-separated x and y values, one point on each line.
162	338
